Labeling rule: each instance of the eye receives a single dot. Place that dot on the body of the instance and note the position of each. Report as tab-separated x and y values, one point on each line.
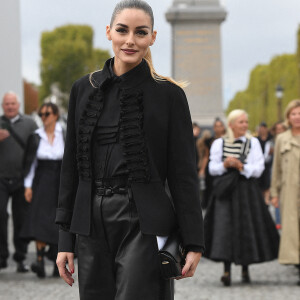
141	32
121	30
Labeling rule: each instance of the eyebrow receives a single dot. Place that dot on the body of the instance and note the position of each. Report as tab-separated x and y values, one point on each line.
138	27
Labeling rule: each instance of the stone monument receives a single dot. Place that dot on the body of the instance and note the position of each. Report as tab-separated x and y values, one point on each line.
196	55
10	58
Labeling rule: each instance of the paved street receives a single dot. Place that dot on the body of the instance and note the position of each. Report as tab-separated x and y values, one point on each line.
270	281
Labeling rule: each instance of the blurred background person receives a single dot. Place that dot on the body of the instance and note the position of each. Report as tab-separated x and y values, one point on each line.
219	130
196	134
285	186
15	129
201	149
43	158
277	128
265	139
238	226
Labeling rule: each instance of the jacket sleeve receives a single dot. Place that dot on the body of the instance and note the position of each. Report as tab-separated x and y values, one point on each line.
276	170
182	171
68	181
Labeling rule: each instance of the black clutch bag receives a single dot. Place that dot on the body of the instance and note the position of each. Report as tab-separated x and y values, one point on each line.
172	257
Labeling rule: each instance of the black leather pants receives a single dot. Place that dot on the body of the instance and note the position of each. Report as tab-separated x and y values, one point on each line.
118	262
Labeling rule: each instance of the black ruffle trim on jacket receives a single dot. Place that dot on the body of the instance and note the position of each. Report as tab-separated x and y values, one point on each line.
132	137
87	124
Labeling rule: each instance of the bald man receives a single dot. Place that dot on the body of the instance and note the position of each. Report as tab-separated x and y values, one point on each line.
15	129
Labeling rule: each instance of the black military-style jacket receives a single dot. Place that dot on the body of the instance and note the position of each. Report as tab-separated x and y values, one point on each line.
155	132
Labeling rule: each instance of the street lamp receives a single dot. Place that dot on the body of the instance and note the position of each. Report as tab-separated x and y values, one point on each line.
279	96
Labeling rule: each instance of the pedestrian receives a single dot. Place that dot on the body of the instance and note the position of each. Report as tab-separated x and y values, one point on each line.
238	226
277	128
129	129
219	130
201	150
265	139
196	134
42	166
285	185
15	129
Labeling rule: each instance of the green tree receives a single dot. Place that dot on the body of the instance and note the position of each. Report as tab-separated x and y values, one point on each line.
259	98
68	54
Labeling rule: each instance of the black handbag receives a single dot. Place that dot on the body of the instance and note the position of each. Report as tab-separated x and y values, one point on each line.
224	185
172	257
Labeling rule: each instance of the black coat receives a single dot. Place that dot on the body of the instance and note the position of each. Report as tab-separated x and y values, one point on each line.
155	130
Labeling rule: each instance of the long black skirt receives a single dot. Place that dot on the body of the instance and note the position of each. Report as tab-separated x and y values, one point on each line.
40	224
239	227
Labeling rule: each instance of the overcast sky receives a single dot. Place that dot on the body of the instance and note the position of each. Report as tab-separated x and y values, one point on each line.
254	32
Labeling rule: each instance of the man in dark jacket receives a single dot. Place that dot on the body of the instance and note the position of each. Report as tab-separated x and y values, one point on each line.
14	132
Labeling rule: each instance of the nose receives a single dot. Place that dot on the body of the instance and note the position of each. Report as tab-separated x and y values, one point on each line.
130	40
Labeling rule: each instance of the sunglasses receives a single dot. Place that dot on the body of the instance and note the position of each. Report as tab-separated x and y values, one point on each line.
46	114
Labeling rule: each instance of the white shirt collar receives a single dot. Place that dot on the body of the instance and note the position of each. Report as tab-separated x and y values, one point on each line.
14	119
41	131
242	138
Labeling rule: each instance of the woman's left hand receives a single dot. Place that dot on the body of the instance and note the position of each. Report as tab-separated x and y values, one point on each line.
191	262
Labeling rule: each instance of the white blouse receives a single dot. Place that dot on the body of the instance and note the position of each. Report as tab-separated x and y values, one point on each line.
255	160
46	150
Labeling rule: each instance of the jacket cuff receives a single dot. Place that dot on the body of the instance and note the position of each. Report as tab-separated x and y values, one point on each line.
66	241
194	248
63	216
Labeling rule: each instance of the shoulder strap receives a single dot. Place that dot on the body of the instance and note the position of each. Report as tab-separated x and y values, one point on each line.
13	133
245	150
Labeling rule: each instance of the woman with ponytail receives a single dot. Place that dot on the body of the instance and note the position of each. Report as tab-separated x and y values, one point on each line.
238	226
129	136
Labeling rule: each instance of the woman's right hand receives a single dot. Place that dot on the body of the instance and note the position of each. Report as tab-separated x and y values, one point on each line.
62	259
232	162
275	202
28	194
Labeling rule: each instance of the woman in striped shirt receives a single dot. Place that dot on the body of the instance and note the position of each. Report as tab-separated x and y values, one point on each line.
239	228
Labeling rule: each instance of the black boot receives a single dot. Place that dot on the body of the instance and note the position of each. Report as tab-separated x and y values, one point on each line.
38	267
3	263
226	278
245	275
21	267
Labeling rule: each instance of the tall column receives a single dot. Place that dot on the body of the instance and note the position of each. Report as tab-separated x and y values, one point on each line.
196	55
10	54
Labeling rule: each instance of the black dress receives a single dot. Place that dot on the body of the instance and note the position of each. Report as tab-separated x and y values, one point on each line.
238	226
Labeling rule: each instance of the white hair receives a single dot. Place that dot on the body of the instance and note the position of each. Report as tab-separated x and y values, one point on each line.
233	115
11	93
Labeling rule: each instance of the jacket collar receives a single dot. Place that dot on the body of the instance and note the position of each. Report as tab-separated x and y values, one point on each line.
127	80
289	140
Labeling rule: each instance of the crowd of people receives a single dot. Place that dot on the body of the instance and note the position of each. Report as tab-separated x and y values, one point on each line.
30	174
243	174
128	175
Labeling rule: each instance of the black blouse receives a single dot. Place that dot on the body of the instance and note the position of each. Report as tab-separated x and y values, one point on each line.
107	156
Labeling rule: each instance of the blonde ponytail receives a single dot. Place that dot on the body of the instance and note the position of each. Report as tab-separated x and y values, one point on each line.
157	77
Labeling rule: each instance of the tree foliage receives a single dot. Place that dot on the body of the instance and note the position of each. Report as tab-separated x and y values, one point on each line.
259	99
68	54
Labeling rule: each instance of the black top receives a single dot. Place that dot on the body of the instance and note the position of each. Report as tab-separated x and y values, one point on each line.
107	155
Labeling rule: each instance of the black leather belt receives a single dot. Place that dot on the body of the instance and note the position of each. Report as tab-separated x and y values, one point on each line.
111	186
109	191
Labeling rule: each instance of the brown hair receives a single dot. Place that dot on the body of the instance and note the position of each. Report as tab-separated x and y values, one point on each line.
144	6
